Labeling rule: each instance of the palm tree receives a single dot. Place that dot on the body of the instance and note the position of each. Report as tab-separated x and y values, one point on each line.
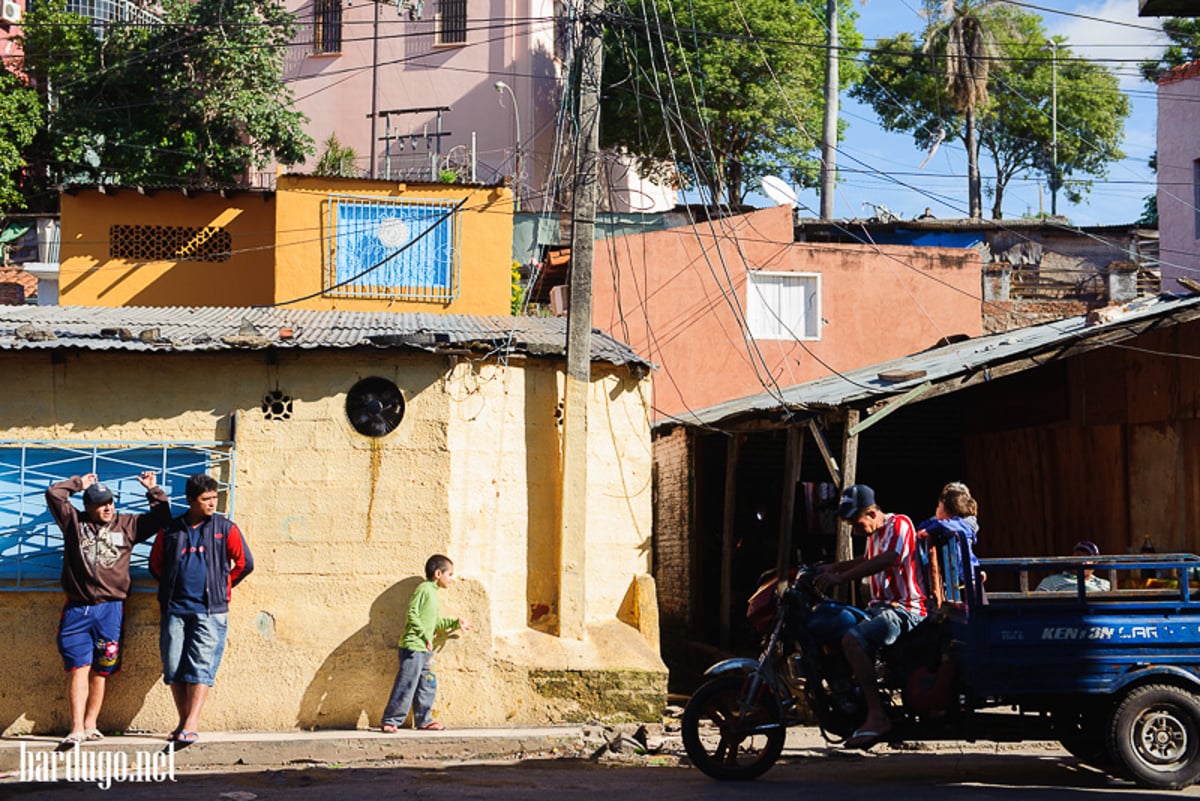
969	48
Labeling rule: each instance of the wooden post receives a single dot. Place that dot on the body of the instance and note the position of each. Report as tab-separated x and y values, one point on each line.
732	452
849	473
787	503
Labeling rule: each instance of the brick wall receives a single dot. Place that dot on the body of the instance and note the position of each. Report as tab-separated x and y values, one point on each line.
11	294
15	286
1001	316
672	529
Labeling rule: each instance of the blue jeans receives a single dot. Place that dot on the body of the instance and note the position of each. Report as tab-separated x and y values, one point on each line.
415	687
884	627
191	647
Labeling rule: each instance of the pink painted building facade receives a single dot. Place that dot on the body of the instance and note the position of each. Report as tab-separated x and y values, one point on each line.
1179	175
405	60
737	307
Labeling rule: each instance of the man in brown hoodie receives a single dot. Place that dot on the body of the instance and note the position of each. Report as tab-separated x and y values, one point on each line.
95	577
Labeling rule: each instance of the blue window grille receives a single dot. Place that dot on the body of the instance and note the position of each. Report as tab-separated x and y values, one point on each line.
391	248
30	541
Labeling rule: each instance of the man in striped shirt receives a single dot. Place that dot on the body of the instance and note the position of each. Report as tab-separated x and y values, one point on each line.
897	597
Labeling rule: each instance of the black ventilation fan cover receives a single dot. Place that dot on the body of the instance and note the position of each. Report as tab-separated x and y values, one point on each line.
374	406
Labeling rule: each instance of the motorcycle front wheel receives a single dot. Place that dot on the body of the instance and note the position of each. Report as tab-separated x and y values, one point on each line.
730	736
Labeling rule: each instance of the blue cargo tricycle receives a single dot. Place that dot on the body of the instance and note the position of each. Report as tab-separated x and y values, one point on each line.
1114	675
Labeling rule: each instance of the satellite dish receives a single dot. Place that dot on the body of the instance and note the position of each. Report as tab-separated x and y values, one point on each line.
778	190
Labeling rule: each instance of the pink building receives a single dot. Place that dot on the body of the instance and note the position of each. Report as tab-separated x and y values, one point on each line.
1179	175
737	307
11	14
486	75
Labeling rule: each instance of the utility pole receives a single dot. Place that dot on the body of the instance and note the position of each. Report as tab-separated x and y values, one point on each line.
829	133
1053	127
375	87
573	491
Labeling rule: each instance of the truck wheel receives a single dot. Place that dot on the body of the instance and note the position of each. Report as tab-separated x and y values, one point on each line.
729	736
1155	736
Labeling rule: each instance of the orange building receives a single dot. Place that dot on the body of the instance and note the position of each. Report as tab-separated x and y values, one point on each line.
313	242
736	307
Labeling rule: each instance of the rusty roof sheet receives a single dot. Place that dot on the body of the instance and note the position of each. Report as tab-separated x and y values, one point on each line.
188	329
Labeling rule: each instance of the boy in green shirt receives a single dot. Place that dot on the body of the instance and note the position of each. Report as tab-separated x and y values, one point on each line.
415	684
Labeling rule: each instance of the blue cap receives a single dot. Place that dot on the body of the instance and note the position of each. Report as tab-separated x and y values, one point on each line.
854	499
1088	547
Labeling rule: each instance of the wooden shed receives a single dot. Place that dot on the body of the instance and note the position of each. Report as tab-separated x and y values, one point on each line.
1084	428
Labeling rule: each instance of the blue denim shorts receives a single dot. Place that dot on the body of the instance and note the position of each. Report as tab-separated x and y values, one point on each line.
884	627
192	646
89	635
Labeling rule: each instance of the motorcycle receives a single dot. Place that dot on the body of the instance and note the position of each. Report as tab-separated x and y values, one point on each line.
734	726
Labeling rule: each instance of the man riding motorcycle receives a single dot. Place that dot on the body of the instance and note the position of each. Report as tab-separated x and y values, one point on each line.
898	597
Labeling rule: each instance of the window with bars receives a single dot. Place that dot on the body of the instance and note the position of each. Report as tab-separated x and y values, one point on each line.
1196	197
783	305
327	26
30	541
391	248
452	22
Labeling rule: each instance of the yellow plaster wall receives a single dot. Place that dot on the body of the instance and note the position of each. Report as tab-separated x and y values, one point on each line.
88	276
485	256
340	526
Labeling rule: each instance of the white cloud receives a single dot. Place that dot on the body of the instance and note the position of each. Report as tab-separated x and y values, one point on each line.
1099	39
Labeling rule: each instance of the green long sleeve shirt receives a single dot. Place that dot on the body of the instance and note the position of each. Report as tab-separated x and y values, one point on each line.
422	621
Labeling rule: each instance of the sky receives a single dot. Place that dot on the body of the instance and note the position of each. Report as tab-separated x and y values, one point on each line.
1108	31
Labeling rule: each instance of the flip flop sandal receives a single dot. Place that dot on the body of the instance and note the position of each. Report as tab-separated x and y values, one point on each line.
74	738
187	737
94	734
433	725
174	736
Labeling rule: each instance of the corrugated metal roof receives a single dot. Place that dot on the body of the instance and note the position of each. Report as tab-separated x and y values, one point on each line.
972	359
187	329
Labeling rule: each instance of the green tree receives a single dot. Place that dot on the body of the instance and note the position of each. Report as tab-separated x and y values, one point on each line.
20	118
726	92
197	98
908	90
337	160
1184	33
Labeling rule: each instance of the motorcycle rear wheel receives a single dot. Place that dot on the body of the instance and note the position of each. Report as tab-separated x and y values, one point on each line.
731	737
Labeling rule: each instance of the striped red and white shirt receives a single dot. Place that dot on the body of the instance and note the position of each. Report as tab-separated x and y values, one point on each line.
902	583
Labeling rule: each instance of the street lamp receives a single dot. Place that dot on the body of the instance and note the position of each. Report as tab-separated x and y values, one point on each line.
501	87
1052	46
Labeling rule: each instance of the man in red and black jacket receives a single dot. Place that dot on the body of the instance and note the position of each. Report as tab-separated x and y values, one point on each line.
197	559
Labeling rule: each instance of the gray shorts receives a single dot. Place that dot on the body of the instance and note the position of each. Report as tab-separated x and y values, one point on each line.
884	627
191	647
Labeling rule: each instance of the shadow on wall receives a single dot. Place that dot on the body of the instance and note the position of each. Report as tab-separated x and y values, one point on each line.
33	689
354	681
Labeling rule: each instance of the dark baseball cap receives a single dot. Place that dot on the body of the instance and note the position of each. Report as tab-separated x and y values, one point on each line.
855	498
97	495
1088	547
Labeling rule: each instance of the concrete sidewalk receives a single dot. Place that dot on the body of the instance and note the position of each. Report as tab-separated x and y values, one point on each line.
278	749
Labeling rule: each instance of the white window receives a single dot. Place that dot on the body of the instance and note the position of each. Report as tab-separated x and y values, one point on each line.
783	305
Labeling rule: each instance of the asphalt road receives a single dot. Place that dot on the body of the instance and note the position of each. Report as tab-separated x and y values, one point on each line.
828	774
